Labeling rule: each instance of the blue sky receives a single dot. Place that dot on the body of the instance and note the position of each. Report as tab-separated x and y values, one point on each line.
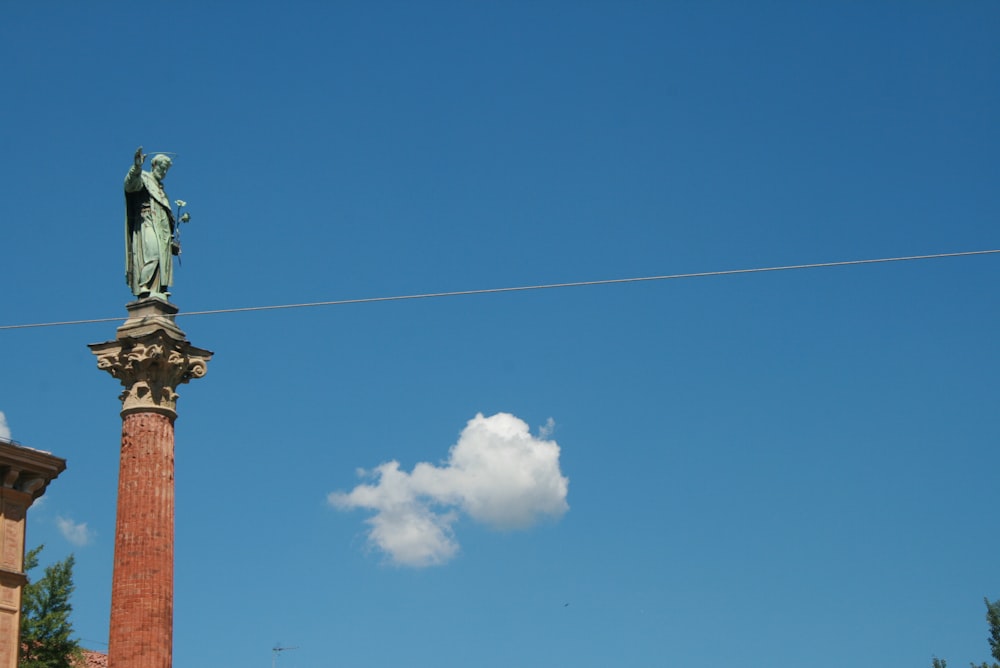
795	468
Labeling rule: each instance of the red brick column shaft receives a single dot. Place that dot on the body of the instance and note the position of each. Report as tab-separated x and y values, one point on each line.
151	357
142	601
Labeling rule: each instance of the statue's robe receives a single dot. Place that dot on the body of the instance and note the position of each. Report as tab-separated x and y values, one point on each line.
149	229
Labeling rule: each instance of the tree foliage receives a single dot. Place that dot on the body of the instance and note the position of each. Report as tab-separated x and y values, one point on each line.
46	631
993	619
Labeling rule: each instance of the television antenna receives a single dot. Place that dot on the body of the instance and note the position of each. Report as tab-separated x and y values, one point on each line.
277	649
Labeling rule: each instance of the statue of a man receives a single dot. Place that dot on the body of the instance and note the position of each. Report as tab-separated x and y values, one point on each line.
149	229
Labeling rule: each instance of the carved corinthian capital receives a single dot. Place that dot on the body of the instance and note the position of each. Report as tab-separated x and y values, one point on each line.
150	367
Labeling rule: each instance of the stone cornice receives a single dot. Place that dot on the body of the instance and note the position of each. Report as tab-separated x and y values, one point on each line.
12	579
26	470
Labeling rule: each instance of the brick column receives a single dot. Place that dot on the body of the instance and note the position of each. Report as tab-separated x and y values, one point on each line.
151	357
24	474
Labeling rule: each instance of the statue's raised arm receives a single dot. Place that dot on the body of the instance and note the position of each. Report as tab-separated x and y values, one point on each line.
149	229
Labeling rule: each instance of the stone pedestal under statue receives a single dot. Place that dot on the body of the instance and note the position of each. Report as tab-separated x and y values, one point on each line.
151	357
24	475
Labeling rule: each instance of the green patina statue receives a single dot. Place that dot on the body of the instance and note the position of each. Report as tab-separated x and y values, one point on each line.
151	234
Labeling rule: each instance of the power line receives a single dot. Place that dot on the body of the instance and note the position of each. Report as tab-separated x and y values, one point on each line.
522	288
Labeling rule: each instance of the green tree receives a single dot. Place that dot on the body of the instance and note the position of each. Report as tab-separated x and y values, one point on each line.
46	631
993	619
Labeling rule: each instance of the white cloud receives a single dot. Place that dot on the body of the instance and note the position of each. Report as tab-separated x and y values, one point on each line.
497	474
4	429
77	534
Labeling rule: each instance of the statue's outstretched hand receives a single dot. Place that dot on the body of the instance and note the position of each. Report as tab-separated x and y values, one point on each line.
140	157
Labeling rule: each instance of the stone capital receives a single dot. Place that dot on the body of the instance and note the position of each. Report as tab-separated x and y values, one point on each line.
151	358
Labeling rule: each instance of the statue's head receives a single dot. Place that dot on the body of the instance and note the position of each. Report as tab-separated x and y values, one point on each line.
160	165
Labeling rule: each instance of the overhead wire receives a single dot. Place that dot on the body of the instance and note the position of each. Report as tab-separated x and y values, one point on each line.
523	288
